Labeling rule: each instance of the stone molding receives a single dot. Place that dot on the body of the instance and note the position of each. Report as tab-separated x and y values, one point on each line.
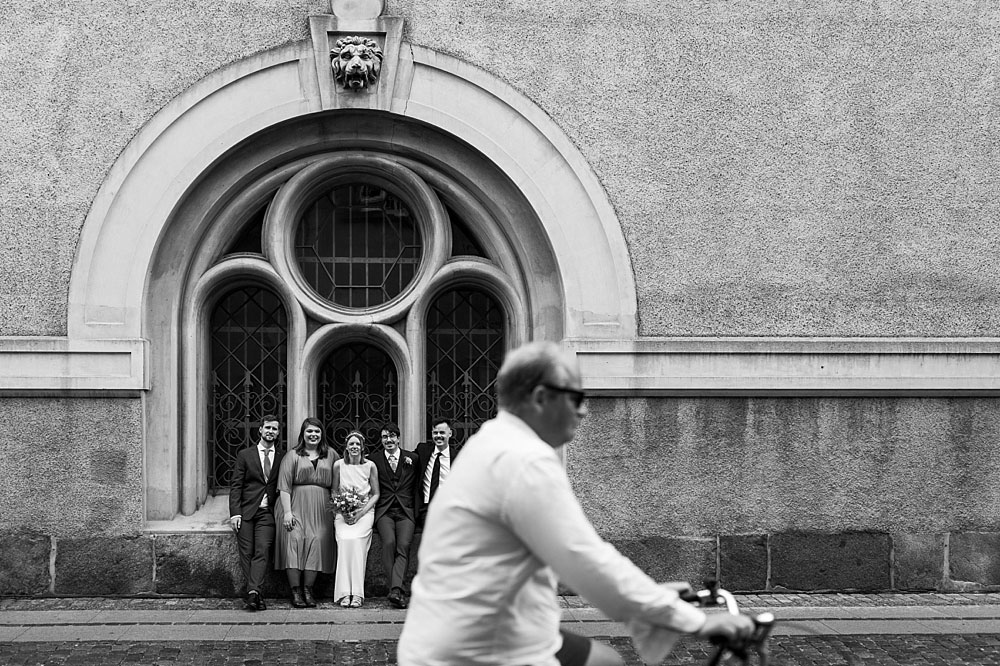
63	365
789	366
611	368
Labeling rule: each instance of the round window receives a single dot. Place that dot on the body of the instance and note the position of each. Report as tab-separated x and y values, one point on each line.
357	246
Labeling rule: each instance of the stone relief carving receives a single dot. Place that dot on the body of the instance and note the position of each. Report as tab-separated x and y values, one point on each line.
356	62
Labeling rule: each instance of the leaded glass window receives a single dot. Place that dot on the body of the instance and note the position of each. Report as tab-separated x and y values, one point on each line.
249	337
465	347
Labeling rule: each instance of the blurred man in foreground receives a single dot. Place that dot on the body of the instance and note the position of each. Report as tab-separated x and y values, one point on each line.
507	526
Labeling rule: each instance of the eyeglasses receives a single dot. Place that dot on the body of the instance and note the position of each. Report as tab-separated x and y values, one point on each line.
575	395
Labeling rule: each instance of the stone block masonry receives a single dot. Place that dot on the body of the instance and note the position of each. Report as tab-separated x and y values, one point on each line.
207	565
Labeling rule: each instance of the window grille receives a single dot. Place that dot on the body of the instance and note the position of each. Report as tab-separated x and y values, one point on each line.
249	337
357	246
358	390
465	347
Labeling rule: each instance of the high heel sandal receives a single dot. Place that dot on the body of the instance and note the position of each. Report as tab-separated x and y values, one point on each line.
355	602
346	601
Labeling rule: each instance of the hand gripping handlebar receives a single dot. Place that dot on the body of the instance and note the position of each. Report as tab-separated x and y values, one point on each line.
713	596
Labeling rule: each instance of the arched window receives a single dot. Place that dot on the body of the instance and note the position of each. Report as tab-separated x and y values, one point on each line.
390	303
358	390
249	337
465	346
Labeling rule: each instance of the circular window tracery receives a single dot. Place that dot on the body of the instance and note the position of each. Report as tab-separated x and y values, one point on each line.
358	246
357	236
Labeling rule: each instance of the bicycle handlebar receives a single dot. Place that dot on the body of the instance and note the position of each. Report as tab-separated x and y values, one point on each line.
712	596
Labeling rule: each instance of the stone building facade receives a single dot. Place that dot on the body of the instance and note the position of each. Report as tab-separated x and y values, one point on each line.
768	231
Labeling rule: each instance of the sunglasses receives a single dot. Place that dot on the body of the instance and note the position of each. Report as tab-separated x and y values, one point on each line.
576	396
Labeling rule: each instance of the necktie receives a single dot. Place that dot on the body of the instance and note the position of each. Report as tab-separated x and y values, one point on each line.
392	462
435	474
267	463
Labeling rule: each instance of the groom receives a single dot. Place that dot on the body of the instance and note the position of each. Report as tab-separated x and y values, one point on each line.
396	509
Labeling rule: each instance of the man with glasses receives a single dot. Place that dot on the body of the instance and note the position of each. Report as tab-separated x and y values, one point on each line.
396	509
508	526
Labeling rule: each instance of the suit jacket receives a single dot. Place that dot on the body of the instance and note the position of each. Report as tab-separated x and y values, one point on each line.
249	485
402	486
424	453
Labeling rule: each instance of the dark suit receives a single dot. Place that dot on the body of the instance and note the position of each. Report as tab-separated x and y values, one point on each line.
396	512
425	451
255	538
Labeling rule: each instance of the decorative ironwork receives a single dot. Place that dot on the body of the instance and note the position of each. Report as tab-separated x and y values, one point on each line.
249	339
358	246
358	390
465	347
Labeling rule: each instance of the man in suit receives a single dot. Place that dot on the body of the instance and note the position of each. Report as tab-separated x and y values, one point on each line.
396	510
253	492
436	457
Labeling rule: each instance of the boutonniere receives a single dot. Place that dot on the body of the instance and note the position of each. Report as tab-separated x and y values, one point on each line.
407	461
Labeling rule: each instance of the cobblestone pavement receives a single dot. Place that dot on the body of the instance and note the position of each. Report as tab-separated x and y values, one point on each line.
979	650
947	629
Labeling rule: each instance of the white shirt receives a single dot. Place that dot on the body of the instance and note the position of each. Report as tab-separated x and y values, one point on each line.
483	594
260	454
442	473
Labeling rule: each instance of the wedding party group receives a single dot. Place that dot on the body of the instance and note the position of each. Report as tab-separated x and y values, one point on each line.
310	511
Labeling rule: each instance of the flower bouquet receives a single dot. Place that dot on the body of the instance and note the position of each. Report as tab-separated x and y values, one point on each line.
348	501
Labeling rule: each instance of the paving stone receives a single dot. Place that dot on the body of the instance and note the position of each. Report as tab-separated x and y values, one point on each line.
884	650
24	563
104	565
918	561
743	562
975	557
858	561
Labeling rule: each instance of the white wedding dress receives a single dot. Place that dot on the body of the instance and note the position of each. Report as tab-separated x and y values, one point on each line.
353	541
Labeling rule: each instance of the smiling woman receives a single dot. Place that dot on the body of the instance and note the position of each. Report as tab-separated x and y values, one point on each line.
305	543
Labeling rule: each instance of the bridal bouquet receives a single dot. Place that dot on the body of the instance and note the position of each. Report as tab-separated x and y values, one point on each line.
348	501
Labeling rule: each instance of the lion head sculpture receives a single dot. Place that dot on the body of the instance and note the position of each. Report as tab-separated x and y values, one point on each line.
356	61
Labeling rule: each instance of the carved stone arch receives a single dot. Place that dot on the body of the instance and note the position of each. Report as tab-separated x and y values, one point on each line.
174	198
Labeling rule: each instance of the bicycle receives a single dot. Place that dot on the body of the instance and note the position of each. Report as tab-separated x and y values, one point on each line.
756	642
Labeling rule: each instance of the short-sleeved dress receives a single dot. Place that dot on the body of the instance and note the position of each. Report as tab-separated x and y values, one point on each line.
310	545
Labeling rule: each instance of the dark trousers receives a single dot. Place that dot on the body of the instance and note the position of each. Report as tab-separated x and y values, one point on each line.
255	539
396	532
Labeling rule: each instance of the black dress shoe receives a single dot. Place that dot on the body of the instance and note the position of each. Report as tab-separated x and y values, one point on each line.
396	598
260	602
307	595
253	600
298	601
